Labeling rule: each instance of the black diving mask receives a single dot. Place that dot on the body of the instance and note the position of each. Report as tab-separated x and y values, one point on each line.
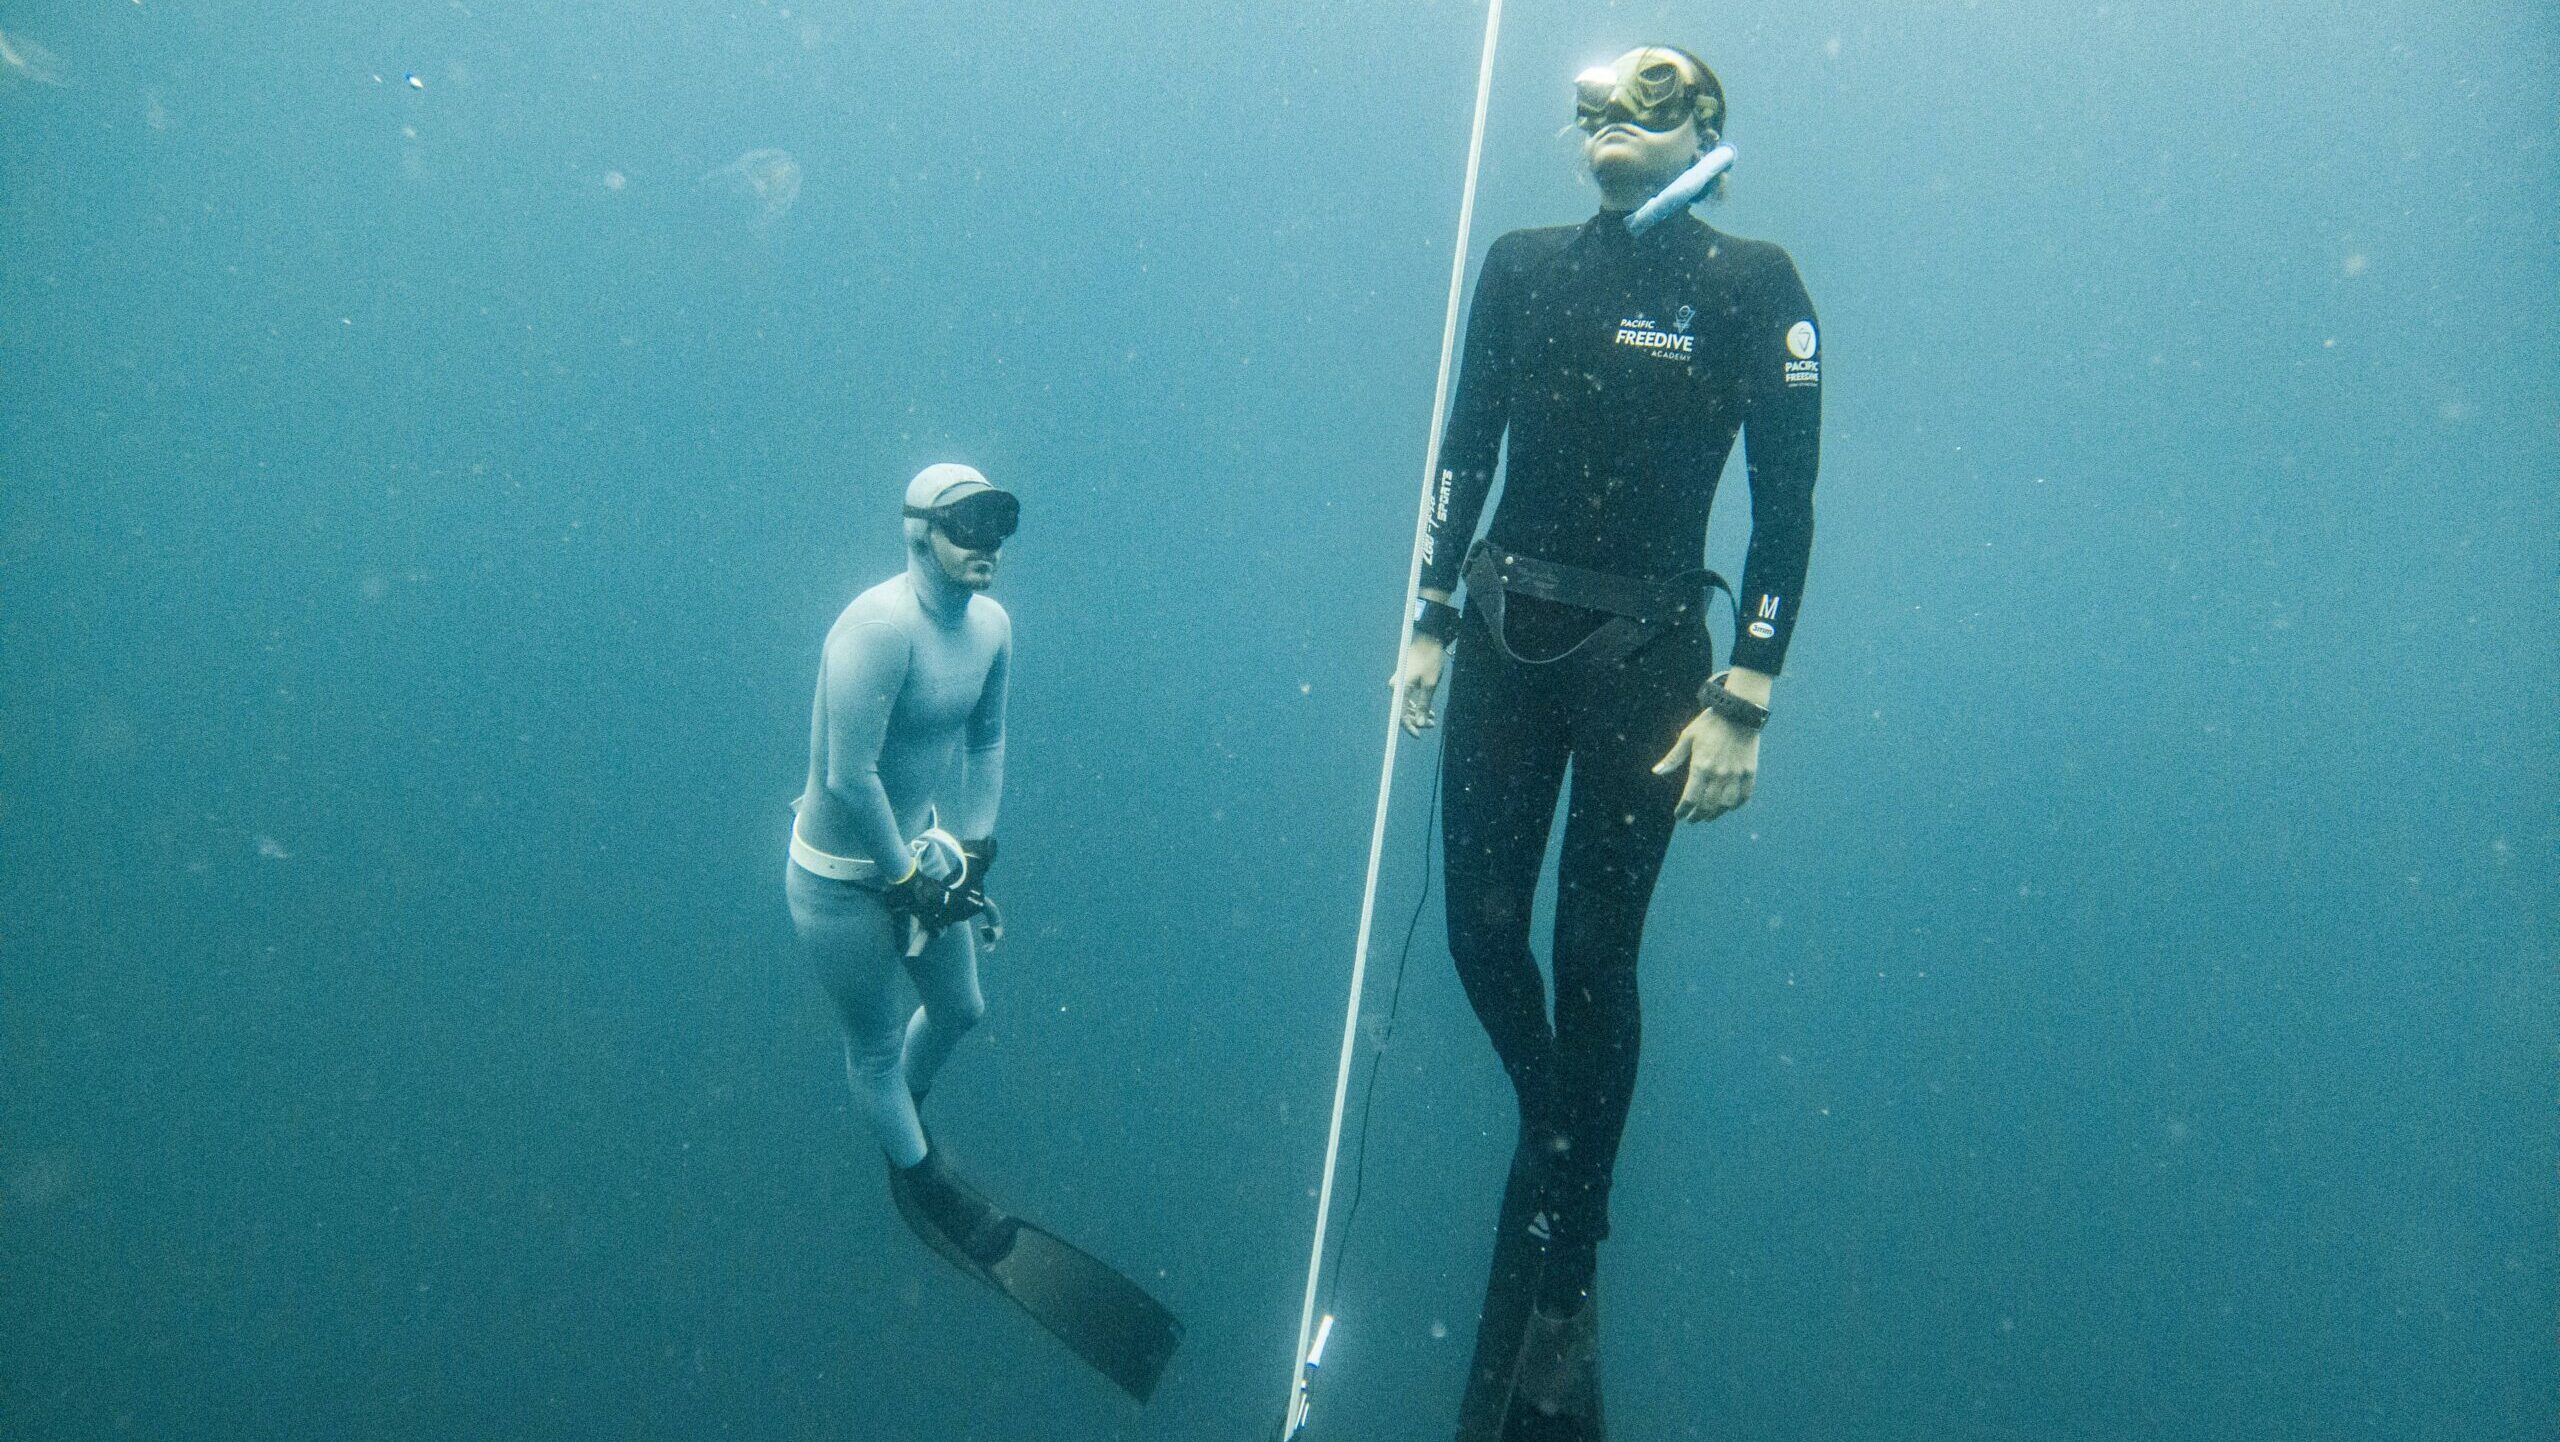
979	521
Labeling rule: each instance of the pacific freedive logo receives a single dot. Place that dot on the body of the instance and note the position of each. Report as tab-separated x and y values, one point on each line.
1802	368
1640	332
1681	321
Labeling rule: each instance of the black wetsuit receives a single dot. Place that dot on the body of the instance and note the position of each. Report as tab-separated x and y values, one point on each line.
1622	368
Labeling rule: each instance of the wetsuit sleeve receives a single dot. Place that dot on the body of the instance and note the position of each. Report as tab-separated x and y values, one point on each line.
982	784
1472	444
866	668
1782	447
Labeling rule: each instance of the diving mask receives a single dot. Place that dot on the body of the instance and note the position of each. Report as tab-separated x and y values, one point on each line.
1652	87
981	520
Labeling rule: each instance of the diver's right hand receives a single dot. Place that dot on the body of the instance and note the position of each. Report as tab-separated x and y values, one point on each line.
966	894
1419	676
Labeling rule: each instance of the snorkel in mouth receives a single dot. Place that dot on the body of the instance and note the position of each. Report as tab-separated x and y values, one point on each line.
1688	190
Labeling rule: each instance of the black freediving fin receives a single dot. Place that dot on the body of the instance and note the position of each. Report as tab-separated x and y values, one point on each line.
1102	1317
1532	1379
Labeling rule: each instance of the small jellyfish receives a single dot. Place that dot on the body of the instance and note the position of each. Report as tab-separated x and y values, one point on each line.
766	181
26	59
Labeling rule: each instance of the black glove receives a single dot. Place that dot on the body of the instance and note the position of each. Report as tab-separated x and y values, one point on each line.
921	897
967	894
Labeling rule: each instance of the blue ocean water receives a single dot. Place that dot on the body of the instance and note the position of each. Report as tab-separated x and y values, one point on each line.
2126	1010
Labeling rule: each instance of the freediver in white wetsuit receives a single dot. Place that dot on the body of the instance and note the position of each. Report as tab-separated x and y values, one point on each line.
906	736
890	847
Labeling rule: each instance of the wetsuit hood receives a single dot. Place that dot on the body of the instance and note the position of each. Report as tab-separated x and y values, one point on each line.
937	485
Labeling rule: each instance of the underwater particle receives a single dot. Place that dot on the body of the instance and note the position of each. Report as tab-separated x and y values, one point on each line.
767	182
615	180
38	1179
1831	47
413	82
272	849
2354	264
26	59
1439	1330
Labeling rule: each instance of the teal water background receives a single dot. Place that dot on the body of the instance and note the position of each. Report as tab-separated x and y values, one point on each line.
2127	1010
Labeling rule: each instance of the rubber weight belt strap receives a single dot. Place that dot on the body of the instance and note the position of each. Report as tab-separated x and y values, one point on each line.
1302	1365
1638	610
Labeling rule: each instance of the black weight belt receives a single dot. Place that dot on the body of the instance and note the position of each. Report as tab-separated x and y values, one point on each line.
1638	611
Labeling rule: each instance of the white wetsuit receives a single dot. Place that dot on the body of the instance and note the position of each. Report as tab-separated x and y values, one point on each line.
907	732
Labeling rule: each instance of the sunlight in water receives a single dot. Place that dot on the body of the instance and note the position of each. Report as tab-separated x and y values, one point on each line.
24	58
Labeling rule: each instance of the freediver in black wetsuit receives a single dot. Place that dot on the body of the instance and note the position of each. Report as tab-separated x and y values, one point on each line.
1621	368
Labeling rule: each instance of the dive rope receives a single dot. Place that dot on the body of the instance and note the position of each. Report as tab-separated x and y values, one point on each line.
1309	1354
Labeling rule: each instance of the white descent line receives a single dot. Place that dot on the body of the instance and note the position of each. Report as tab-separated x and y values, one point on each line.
1304	1361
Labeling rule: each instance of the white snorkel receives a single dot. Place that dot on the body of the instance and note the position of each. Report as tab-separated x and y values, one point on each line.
1684	192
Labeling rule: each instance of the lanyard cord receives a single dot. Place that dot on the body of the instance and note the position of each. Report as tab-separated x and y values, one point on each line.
1301	1372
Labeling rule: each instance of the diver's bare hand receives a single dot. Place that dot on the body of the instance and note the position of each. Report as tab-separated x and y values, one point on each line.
1419	676
1723	759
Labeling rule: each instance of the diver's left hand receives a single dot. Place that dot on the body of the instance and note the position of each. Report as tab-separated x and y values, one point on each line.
1723	761
1723	758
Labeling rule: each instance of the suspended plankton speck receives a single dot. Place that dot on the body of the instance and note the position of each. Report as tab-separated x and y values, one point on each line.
414	82
615	180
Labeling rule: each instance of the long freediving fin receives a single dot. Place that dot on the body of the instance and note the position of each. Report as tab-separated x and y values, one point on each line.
1555	1393
1101	1316
1533	1378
